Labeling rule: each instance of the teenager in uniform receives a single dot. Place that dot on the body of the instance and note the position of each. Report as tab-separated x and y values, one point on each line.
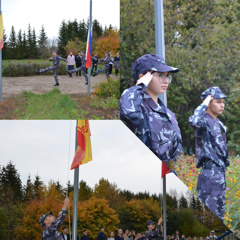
211	151
146	115
56	60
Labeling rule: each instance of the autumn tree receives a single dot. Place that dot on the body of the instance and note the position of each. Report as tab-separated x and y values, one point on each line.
94	213
135	213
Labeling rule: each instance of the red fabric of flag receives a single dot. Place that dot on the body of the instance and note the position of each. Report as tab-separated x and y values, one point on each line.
165	170
89	49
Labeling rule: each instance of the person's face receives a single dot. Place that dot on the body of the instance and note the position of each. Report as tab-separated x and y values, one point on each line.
102	230
65	230
216	106
49	219
151	226
117	54
95	54
212	233
111	234
54	53
177	232
106	54
183	236
70	53
85	233
158	85
120	232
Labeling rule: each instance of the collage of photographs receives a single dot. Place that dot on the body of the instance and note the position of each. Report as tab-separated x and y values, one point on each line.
119	120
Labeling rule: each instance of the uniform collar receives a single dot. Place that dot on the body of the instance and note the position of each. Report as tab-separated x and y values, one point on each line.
153	105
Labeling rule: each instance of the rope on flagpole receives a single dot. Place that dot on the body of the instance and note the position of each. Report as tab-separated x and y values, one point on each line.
70	134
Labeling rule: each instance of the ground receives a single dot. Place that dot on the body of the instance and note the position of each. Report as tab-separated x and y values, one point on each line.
13	98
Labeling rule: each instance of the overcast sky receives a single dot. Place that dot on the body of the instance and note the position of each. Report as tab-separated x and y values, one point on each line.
47	148
50	13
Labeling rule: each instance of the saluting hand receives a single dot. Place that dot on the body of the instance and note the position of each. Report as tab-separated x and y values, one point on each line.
146	79
207	100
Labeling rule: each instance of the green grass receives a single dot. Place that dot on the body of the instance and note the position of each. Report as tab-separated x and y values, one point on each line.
6	62
52	105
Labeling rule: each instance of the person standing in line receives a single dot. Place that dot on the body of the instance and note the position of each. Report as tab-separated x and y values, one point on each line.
78	60
71	62
117	63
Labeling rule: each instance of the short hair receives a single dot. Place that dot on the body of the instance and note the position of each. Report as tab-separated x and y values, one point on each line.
84	230
64	227
119	230
101	227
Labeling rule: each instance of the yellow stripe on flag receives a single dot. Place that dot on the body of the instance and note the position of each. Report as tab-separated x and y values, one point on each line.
88	152
1	32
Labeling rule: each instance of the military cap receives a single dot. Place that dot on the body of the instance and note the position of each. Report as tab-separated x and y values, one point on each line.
215	92
149	222
43	217
54	51
150	62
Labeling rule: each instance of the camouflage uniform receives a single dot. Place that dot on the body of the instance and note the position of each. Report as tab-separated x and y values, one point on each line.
56	60
51	232
82	68
212	156
106	61
154	235
154	124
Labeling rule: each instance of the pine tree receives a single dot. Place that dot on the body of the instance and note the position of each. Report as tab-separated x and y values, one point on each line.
38	188
62	38
183	203
83	31
19	53
85	192
97	28
28	190
34	52
75	29
42	43
12	43
24	45
5	51
10	185
29	42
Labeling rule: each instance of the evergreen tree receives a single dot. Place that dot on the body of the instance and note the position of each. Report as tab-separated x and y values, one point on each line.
10	185
75	29
42	43
83	30
29	42
38	188
19	54
24	45
85	191
34	53
62	38
12	43
97	28
28	190
5	51
183	203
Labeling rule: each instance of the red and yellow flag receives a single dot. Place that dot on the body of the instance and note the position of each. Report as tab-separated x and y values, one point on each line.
165	170
84	149
1	32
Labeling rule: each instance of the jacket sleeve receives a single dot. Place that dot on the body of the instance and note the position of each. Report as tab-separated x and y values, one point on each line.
60	58
130	106
197	121
58	222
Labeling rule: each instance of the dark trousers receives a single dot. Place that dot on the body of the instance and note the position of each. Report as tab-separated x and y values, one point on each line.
110	69
94	66
54	69
78	72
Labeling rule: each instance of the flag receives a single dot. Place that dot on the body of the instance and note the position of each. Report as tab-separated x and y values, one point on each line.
165	170
84	149
89	48
1	32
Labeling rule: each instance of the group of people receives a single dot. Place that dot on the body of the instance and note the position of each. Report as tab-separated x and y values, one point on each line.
80	61
156	126
52	225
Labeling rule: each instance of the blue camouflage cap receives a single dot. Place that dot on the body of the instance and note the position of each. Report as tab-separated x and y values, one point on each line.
215	92
43	217
54	51
149	222
151	62
83	51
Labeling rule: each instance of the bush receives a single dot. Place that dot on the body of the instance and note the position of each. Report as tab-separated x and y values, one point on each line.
110	102
110	88
17	69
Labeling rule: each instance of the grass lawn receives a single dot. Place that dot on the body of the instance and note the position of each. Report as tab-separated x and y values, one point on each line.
54	105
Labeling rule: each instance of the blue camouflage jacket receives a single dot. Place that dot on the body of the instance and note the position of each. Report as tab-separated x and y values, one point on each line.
51	232
56	60
154	124
154	235
210	138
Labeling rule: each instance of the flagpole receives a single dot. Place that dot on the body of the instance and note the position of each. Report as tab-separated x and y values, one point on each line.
75	195
89	69
160	50
1	62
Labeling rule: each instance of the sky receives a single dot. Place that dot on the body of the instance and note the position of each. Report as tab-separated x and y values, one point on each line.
19	13
46	148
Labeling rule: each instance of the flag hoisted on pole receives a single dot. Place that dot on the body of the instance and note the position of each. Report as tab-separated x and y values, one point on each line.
83	155
165	170
1	47
84	149
89	48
